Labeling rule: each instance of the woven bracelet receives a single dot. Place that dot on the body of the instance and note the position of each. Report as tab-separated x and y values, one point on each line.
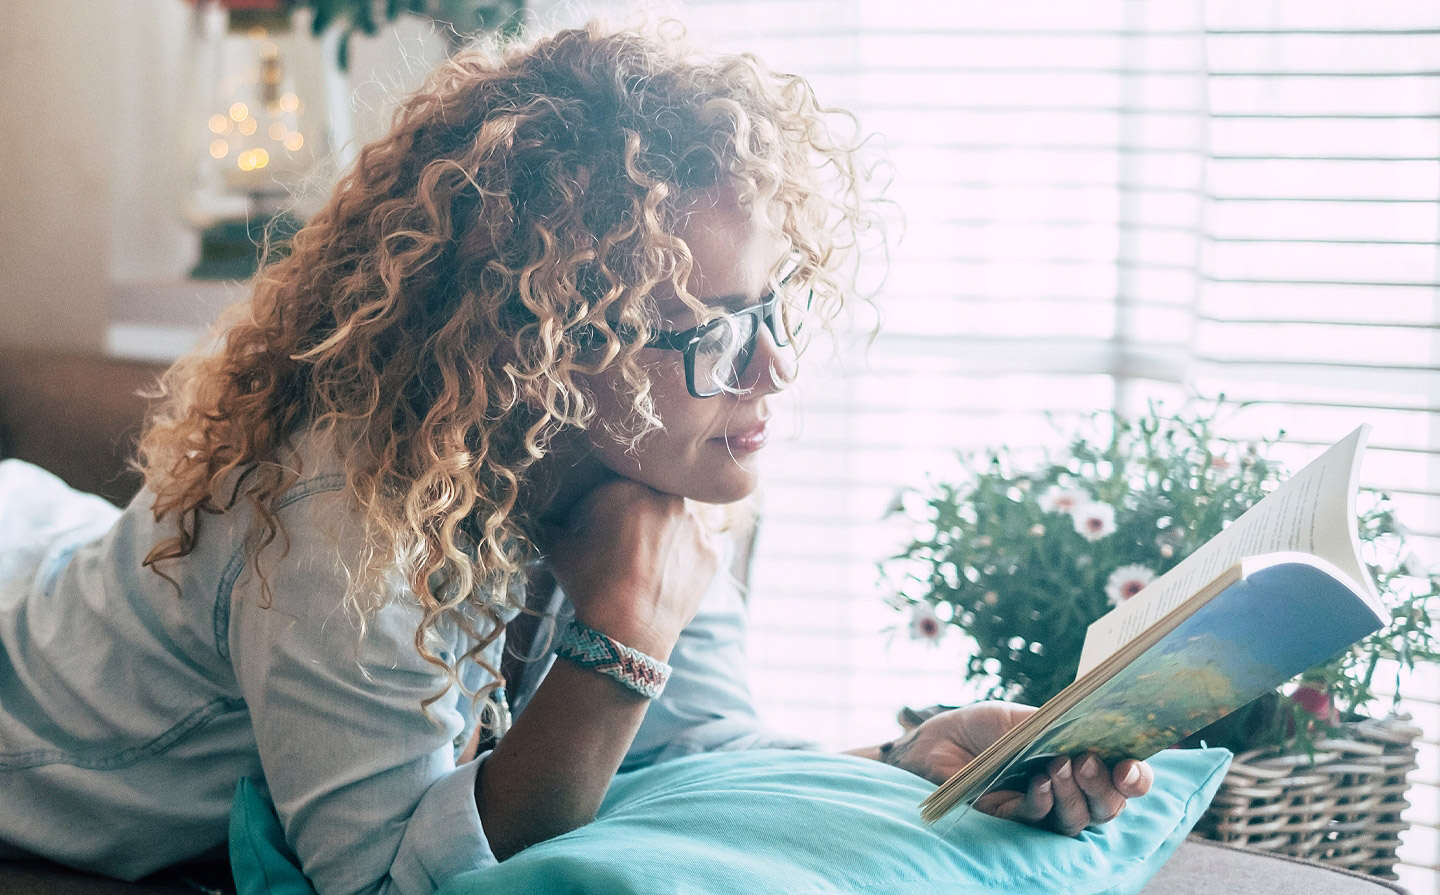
588	648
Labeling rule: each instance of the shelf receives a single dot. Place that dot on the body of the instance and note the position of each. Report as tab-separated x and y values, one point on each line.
160	320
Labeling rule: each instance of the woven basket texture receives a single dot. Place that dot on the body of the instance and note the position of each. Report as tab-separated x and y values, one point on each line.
1343	809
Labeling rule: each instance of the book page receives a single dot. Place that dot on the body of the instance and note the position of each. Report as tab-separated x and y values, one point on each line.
1311	512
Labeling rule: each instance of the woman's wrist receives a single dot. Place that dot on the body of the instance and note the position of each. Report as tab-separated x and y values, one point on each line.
633	669
649	637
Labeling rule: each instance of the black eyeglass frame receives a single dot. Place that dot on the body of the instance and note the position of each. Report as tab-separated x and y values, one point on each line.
687	340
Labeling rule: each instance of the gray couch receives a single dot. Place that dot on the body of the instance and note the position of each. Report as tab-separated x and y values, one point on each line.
79	415
1198	868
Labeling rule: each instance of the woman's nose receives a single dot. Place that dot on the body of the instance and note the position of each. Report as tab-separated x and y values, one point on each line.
771	367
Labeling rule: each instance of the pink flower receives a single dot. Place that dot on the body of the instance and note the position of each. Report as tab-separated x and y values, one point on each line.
1061	500
925	624
1315	700
1094	520
1127	581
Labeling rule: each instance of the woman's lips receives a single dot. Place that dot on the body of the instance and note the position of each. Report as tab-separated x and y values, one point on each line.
747	441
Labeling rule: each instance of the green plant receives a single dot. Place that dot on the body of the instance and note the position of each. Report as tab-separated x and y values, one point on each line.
457	19
1021	558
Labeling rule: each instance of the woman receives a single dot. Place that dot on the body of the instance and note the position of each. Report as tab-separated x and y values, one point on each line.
538	324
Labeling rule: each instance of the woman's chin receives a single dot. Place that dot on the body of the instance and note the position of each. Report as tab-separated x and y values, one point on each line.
714	476
734	482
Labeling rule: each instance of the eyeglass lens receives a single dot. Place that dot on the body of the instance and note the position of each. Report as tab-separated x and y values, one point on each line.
724	348
723	351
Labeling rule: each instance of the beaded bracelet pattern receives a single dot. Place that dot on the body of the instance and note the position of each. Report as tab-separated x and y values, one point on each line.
589	648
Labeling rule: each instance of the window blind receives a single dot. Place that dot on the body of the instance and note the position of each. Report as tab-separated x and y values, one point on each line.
1107	201
1319	270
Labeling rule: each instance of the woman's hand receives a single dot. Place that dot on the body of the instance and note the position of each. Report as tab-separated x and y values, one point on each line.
1072	795
634	562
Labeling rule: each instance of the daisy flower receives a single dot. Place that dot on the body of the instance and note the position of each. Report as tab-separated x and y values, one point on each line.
1127	581
925	624
1094	520
1061	500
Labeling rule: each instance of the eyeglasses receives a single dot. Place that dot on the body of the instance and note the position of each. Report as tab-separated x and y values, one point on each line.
717	353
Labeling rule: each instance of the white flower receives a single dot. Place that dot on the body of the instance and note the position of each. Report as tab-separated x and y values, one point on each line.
1094	520
1127	581
1061	500
925	624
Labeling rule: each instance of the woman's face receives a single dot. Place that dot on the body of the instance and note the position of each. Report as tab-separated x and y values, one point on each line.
708	448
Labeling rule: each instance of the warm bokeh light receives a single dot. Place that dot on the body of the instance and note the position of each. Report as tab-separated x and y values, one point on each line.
246	160
247	127
293	141
239	112
219	148
277	130
290	102
260	157
219	124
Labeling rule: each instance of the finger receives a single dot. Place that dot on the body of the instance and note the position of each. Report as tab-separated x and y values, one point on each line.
1039	800
1002	803
1132	778
1102	799
1029	807
1071	813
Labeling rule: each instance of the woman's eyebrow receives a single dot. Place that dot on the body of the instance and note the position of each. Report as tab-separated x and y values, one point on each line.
727	302
735	302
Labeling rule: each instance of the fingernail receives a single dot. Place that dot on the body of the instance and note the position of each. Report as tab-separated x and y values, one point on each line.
1132	775
1063	772
1088	768
1043	787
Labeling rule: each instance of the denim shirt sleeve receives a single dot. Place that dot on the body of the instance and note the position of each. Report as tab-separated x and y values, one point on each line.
365	785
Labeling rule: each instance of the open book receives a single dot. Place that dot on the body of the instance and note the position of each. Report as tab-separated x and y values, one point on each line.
1280	590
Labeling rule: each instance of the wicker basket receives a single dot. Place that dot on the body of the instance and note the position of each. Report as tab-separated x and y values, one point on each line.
1344	809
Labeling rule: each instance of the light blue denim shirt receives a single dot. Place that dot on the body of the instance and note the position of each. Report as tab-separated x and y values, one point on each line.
128	712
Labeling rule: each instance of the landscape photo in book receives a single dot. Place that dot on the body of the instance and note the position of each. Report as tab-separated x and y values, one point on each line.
1259	632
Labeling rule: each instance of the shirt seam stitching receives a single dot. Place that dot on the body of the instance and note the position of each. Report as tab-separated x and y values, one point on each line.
19	761
320	484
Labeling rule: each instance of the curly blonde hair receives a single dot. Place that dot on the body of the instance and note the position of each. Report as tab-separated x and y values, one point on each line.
436	314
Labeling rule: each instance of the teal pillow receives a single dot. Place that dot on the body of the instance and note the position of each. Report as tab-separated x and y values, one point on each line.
260	857
805	823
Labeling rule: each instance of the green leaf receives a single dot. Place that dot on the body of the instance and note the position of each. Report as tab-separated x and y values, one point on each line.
324	15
